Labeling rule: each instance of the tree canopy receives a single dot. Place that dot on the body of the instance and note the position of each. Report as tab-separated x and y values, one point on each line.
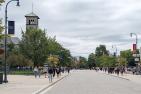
101	50
91	60
34	45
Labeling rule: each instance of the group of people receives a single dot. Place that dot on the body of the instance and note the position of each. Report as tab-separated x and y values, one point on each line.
50	72
111	70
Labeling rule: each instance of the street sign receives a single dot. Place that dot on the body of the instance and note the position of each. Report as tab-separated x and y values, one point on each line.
137	59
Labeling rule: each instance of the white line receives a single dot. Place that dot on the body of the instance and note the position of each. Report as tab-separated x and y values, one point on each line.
45	91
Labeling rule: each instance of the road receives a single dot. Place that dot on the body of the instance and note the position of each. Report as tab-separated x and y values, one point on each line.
91	82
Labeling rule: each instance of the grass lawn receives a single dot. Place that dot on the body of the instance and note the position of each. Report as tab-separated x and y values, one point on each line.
21	72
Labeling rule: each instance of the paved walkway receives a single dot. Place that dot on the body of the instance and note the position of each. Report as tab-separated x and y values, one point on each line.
131	77
20	84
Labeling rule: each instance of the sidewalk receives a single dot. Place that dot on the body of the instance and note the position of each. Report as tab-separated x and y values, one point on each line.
131	77
20	84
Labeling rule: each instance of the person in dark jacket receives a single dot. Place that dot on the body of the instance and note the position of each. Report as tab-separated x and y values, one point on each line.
50	74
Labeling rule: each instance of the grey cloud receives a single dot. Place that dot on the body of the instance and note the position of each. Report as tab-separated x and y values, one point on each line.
81	25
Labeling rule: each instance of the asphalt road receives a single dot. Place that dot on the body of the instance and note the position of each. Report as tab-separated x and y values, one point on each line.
91	82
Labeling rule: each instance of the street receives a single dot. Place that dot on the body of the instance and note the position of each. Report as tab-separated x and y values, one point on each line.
91	82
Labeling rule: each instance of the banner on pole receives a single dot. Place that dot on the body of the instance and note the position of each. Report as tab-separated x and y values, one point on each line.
134	48
11	27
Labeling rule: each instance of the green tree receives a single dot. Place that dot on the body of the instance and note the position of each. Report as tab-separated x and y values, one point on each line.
122	61
54	48
15	60
34	46
1	27
91	60
106	61
127	54
65	57
82	62
101	50
1	1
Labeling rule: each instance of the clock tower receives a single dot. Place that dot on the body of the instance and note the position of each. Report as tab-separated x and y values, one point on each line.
32	21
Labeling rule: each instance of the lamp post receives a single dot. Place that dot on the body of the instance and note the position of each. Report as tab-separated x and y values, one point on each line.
131	34
5	41
114	46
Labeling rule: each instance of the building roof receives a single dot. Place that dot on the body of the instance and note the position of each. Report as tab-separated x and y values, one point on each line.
32	15
14	40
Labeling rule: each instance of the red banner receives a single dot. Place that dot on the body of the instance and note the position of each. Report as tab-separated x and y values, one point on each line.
134	48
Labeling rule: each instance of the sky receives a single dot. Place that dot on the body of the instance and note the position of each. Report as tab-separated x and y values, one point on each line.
82	25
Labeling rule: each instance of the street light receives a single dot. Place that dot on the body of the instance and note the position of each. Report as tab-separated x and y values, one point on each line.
116	49
131	34
5	40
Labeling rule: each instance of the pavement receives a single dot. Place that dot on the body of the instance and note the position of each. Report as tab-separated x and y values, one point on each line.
91	82
127	76
22	84
78	82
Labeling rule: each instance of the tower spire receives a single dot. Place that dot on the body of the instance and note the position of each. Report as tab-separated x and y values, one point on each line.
32	7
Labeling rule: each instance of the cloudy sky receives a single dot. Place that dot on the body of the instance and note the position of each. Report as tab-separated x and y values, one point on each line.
82	25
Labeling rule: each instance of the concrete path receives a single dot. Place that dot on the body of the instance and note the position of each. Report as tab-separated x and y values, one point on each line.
19	84
91	82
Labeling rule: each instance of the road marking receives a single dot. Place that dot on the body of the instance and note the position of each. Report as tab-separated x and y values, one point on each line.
45	91
46	87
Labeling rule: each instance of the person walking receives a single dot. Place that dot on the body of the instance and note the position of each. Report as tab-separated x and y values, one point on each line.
58	72
68	69
45	70
50	74
35	71
39	71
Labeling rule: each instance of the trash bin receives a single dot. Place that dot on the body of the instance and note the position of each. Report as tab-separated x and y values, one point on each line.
1	77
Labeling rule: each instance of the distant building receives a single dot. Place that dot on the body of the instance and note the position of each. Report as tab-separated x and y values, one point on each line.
14	40
32	20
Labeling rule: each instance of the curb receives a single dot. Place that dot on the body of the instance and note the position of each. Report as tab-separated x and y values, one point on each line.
117	76
46	87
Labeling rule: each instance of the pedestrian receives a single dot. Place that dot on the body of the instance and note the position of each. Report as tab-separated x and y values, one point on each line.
50	74
54	70
45	71
58	72
68	69
39	71
35	71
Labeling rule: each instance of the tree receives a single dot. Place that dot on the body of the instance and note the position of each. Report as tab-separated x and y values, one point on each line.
91	60
34	46
15	60
1	1
127	54
106	61
53	60
122	61
1	27
1	30
82	62
101	50
65	58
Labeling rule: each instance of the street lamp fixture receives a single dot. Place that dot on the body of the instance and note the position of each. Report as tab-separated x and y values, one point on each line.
5	40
